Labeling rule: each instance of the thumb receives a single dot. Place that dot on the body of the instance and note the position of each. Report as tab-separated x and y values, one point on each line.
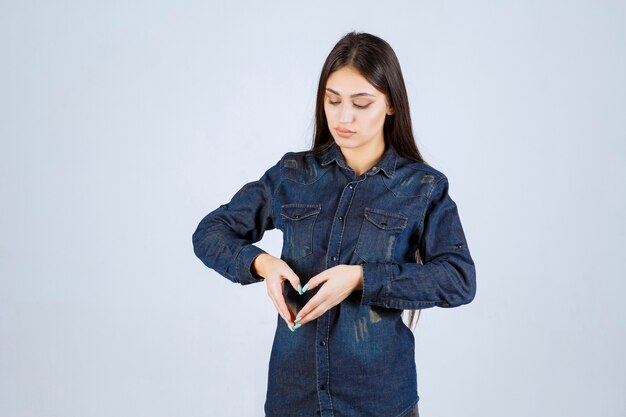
293	279
316	280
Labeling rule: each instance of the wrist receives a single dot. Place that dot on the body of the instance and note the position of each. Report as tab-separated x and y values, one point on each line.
359	284
259	264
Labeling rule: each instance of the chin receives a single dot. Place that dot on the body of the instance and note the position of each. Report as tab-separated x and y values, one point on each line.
347	143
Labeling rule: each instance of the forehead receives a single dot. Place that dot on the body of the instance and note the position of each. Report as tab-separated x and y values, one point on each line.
347	81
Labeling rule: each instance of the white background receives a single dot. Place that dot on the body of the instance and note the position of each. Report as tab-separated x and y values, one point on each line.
123	123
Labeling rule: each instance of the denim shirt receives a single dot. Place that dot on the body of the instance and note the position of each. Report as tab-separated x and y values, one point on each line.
358	358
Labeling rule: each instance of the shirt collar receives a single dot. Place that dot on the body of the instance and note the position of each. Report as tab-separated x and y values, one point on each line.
387	163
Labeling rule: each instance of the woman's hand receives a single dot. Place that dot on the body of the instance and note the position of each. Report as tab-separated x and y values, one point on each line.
338	282
275	272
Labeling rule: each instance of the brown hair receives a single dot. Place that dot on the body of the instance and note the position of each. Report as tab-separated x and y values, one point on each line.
412	320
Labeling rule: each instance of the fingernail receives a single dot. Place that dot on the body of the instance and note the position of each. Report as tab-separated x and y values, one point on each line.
290	327
297	319
296	326
300	289
306	287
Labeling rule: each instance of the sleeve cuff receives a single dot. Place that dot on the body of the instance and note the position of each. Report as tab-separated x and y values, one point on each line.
376	284
244	265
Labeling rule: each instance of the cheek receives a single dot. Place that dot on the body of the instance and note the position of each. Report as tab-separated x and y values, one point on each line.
329	113
375	119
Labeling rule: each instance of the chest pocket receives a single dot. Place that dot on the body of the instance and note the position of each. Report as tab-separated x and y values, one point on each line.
298	221
378	235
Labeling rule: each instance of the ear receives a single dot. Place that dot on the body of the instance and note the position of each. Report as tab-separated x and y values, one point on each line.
390	109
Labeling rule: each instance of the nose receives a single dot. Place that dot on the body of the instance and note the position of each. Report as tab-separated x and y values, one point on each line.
346	114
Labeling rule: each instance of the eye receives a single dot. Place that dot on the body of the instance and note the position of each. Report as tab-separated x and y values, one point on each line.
334	103
363	106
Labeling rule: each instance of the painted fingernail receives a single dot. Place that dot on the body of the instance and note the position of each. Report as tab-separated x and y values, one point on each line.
306	287
297	319
300	289
290	327
296	326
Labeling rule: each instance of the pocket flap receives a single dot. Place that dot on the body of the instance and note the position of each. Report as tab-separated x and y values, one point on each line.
385	220
299	211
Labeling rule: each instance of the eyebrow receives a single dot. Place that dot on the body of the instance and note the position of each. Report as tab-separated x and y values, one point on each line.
353	95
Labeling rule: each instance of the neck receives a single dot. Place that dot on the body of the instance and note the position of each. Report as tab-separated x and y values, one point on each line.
361	160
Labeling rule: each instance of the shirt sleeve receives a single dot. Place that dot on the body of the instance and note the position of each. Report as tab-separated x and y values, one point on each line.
447	277
224	239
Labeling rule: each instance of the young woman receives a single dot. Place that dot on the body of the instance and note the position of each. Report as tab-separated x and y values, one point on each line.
369	230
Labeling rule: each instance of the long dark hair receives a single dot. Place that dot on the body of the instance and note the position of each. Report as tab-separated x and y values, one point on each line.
376	61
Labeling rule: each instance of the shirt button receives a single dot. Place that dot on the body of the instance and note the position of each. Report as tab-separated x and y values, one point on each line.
323	343
323	387
374	168
340	218
334	258
350	186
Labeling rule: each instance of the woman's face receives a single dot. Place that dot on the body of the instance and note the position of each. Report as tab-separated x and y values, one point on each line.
355	110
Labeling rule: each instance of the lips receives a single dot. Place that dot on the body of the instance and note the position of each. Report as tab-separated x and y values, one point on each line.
344	133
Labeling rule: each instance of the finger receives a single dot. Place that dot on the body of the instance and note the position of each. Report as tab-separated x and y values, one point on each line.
291	276
317	280
280	313
314	313
278	309
303	314
276	294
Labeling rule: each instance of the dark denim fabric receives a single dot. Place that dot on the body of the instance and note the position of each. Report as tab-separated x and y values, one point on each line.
357	359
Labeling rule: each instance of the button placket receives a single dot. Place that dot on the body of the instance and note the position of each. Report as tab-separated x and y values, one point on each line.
323	322
336	232
323	362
